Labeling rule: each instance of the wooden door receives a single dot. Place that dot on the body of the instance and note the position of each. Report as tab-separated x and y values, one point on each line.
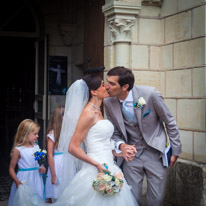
94	35
41	87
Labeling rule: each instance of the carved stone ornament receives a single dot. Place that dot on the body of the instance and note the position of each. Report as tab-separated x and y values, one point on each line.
66	33
121	18
121	29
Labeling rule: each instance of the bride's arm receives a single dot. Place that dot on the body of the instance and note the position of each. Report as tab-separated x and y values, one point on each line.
85	122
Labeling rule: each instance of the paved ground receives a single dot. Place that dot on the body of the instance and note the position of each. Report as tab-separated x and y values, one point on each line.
5	186
5	181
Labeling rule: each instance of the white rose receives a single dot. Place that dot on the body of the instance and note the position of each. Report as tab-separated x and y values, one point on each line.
117	182
141	101
44	151
107	178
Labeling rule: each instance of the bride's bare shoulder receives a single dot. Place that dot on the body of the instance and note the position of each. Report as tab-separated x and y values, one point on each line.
88	115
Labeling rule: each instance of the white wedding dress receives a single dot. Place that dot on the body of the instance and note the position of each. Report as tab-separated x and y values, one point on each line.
80	191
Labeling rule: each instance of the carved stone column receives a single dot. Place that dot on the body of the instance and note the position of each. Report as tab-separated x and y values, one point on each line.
120	18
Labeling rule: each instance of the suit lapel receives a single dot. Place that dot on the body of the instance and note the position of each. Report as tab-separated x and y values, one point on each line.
137	110
118	114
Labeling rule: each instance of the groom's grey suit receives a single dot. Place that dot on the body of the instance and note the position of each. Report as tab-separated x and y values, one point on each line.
148	135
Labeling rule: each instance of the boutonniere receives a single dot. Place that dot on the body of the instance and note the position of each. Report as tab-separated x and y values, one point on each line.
140	103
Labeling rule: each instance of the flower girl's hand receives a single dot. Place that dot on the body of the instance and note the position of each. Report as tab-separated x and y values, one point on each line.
18	183
54	179
42	169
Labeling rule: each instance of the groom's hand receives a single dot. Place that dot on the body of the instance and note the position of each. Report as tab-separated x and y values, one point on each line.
128	151
173	160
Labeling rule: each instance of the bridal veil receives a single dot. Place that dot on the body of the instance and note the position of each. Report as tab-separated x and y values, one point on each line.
77	97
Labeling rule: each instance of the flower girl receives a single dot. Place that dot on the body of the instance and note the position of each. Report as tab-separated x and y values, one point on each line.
55	157
28	179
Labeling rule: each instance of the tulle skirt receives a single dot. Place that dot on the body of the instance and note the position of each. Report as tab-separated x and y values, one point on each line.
80	191
25	195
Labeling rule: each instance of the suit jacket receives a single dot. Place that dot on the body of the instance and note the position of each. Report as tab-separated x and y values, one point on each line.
149	117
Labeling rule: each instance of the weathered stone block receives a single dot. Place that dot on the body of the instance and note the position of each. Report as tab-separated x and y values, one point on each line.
184	184
178	27
166	57
139	57
200	146
189	53
109	57
178	83
169	7
186	4
155	57
150	31
171	103
148	78
198	14
186	138
191	114
199	82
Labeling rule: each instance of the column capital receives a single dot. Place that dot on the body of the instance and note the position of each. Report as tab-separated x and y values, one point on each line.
121	18
121	29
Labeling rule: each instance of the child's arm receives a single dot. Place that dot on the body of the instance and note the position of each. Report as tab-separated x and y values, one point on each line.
42	169
14	159
50	150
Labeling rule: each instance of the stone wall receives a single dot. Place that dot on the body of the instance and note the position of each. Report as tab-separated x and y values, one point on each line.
163	42
165	48
183	62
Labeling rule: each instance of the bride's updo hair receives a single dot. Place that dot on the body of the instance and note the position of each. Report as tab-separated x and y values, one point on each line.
93	82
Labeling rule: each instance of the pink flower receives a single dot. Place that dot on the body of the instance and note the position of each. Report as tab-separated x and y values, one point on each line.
109	190
100	176
119	175
101	187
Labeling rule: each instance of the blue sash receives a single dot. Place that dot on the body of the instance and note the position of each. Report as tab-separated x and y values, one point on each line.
28	169
58	153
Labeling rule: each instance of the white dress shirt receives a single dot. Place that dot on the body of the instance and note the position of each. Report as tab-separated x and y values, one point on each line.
129	105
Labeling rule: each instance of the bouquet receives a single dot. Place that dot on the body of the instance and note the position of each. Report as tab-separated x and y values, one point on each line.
107	183
40	156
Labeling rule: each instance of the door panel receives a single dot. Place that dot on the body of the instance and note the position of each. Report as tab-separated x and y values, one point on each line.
94	34
41	94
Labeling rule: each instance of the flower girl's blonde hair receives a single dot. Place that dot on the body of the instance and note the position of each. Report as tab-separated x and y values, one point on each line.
25	127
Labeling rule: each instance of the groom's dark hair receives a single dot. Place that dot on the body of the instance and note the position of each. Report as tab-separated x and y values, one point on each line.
125	76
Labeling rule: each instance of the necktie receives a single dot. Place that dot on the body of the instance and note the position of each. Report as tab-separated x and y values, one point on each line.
126	111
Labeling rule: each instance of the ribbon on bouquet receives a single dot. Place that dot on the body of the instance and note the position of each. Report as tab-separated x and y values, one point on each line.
44	176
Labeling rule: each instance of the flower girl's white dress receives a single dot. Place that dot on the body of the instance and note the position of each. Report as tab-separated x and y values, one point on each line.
29	175
80	191
52	190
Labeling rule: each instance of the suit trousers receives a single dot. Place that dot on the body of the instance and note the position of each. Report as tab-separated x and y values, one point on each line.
148	164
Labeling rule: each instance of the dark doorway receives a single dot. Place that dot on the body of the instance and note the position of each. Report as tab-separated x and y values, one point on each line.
94	35
17	85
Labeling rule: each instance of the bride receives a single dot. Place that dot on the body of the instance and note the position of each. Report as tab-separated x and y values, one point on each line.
86	134
83	123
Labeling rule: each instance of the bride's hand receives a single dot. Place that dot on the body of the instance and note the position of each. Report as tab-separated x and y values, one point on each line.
101	168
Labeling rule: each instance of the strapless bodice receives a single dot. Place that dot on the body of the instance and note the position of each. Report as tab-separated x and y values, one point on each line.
98	141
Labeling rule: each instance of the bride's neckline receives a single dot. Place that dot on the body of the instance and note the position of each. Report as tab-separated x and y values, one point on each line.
99	121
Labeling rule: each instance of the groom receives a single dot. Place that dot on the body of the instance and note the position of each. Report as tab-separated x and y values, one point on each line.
138	113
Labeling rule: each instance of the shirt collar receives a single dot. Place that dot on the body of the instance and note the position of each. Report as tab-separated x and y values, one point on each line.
129	97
